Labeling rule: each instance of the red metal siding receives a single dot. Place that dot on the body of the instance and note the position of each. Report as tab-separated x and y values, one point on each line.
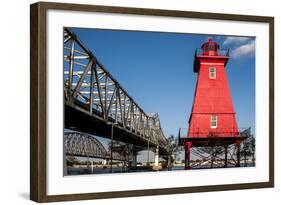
212	97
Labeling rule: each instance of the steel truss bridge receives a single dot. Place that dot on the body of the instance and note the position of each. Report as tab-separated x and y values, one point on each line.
84	145
95	103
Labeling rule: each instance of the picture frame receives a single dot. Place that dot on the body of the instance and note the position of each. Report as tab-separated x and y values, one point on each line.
39	22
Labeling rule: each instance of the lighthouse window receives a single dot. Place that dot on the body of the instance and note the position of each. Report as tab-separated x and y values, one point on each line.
211	47
212	73
214	121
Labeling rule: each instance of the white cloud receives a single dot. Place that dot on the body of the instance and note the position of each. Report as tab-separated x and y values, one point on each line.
235	40
247	49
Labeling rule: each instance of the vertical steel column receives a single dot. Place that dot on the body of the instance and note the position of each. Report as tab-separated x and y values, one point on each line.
188	155
225	155
238	153
88	161
128	156
92	86
112	130
148	153
71	65
169	162
134	158
185	157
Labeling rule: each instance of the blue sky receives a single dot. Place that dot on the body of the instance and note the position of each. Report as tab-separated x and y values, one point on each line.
156	69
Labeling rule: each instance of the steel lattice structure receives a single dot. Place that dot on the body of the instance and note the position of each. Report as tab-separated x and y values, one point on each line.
211	157
91	89
209	160
211	154
84	145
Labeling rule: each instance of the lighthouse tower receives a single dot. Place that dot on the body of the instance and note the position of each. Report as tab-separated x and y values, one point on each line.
212	112
212	119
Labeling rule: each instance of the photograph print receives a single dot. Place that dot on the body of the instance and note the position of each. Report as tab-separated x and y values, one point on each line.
138	101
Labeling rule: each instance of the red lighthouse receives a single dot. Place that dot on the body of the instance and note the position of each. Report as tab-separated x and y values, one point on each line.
212	111
212	119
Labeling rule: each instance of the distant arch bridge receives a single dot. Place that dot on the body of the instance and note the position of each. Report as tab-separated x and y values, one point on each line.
83	145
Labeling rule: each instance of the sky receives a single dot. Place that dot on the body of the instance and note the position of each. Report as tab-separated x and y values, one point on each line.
156	69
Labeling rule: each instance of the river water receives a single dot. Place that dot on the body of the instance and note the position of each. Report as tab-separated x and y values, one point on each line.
96	170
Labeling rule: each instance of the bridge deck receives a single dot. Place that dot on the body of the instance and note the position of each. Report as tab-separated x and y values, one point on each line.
76	118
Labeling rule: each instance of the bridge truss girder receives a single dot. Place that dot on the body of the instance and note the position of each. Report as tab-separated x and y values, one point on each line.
90	88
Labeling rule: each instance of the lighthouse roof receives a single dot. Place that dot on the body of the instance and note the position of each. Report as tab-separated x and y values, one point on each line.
210	47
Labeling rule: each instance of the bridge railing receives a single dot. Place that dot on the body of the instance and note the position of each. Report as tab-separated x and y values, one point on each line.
217	132
219	52
90	86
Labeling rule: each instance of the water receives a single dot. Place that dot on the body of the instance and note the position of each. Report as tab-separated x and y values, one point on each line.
100	170
89	170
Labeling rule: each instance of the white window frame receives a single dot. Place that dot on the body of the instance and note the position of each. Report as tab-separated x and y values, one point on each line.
212	72
214	119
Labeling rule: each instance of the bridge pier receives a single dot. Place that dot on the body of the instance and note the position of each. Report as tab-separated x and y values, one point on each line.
148	163
88	161
104	162
156	158
128	155
134	161
156	166
92	166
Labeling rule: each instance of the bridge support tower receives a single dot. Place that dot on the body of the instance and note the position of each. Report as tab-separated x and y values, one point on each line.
156	166
156	158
